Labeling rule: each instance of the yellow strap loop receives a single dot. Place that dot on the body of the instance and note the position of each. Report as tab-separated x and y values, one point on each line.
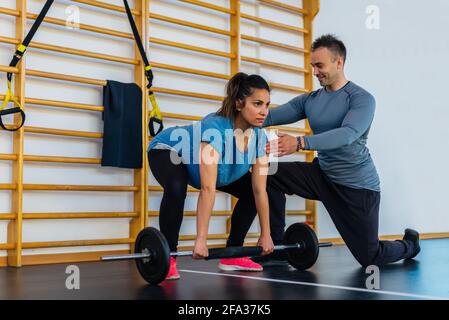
155	111
10	97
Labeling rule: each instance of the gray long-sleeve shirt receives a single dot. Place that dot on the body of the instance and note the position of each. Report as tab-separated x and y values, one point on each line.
340	121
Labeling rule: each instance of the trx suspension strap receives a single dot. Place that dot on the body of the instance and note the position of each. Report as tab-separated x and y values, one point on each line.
15	60
155	114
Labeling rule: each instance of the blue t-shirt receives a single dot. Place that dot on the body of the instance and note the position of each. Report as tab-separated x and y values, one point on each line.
218	131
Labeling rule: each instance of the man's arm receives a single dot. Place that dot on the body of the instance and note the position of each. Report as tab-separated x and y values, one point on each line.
354	125
289	112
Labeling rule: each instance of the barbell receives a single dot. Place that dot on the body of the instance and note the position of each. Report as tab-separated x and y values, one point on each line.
152	253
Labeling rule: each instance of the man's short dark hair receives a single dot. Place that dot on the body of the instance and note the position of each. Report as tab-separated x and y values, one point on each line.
331	42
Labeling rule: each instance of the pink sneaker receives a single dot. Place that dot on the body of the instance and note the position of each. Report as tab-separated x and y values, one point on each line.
172	272
239	264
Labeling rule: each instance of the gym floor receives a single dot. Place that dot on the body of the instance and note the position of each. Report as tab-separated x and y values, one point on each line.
336	275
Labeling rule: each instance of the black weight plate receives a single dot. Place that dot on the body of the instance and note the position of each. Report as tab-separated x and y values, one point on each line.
155	269
306	256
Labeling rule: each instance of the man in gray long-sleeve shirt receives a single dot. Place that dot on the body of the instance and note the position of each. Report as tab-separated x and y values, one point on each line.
343	176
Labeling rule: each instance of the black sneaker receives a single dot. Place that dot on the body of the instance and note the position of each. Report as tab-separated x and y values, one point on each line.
412	238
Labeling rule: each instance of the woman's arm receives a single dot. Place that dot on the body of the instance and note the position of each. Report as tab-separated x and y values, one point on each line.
259	183
208	177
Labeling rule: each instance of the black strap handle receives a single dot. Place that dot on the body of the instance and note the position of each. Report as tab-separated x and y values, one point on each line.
151	124
12	111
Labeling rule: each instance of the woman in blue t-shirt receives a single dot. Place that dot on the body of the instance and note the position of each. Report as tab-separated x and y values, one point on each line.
217	153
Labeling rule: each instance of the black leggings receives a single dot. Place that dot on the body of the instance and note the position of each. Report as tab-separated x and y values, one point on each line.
174	180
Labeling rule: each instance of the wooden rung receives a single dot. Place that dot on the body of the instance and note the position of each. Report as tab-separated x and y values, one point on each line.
215	245
190	24
289	129
160	189
179	116
274	44
8	157
9	40
2	97
187	94
68	133
7	246
83	53
61	22
192	237
63	104
299	212
274	64
274	24
79	215
252	235
7	186
65	77
60	187
55	159
209	6
189	70
306	152
223	213
9	69
75	243
86	27
288	88
108	6
102	83
7	216
76	52
219	213
218	236
192	48
98	82
10	12
284	6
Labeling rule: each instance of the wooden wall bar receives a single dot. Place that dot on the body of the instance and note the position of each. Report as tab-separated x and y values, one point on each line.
140	189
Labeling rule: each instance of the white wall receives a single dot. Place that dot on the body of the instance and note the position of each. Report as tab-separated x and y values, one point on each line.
404	65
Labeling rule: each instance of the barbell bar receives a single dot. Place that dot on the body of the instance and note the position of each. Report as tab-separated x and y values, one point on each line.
148	255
